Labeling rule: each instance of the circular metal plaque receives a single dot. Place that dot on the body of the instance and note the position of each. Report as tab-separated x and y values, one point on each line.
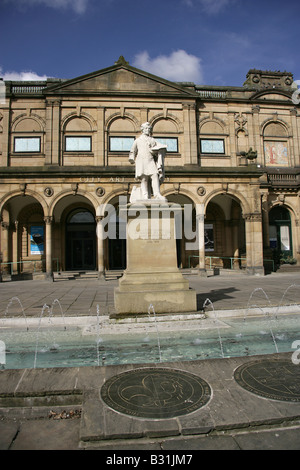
155	393
275	379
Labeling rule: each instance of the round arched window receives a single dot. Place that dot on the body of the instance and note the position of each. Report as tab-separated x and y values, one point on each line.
81	217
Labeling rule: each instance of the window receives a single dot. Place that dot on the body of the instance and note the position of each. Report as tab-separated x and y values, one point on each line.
27	144
120	144
170	142
215	146
78	144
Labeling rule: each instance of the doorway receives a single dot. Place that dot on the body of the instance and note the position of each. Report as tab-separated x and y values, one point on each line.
280	232
117	244
80	241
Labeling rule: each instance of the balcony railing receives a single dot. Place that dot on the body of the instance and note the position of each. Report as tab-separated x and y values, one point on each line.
212	94
24	89
281	179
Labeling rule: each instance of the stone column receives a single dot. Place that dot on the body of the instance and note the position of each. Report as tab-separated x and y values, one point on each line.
100	246
257	136
52	146
14	250
4	156
254	244
5	245
99	138
200	217
190	133
265	220
48	224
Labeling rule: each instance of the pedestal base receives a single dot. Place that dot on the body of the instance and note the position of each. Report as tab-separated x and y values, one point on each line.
168	292
152	276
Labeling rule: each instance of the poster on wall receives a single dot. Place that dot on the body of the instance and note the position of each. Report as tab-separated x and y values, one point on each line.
37	240
209	237
276	153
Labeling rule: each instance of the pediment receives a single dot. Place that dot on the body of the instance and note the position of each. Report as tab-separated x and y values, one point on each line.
120	80
271	95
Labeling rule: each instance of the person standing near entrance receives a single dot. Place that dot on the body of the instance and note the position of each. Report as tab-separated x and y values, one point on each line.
148	156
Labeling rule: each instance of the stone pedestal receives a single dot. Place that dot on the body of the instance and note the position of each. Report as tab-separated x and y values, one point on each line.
152	275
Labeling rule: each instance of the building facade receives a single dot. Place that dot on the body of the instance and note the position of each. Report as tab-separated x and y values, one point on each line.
233	163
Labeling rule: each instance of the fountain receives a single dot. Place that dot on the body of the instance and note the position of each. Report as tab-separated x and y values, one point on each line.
70	342
285	294
209	302
266	314
99	340
156	327
12	300
50	332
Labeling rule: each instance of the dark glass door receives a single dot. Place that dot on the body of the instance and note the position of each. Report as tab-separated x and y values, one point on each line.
81	242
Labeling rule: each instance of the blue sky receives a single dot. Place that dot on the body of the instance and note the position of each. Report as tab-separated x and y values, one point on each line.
209	42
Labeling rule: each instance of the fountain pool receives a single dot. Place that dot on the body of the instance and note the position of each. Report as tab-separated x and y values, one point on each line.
95	342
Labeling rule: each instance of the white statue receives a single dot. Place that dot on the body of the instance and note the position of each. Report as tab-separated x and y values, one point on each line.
148	156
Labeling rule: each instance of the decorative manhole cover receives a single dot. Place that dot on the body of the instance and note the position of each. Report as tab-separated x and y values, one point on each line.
275	379
155	393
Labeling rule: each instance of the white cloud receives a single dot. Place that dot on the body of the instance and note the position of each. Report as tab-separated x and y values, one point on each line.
22	76
179	66
211	7
79	6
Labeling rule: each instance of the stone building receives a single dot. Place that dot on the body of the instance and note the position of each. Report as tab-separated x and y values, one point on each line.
233	162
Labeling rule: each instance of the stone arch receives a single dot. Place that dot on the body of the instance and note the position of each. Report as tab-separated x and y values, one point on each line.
84	116
109	198
216	126
238	197
273	123
39	123
182	191
124	116
26	192
72	192
170	118
225	235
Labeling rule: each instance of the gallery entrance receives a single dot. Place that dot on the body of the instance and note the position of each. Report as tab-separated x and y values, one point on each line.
280	232
80	241
117	244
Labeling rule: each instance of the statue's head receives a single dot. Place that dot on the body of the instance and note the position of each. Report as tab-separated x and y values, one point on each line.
146	128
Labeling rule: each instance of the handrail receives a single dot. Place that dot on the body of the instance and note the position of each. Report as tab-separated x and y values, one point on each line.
232	259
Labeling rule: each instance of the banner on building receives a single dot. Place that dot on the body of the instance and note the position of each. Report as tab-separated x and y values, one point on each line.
37	240
209	237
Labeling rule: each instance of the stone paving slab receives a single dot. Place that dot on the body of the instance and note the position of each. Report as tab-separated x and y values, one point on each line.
231	409
230	406
81	297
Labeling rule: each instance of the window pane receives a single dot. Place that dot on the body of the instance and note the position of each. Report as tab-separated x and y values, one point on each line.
81	217
170	142
78	144
120	144
285	238
27	144
212	146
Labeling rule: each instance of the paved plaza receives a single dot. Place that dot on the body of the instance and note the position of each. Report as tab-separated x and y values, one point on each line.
80	407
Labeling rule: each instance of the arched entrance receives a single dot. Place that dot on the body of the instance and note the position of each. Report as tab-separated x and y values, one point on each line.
23	247
117	244
185	230
80	240
280	232
225	244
